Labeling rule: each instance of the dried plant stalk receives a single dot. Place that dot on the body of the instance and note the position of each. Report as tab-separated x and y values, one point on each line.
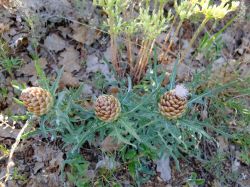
10	163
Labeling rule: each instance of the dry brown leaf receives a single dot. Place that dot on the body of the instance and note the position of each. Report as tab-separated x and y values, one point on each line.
110	144
113	90
44	153
70	60
42	180
223	143
54	7
83	34
4	27
93	65
183	71
87	89
8	132
67	79
29	68
38	166
54	42
163	167
49	160
108	54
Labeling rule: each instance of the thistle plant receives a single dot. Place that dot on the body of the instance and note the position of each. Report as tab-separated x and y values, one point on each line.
173	103
150	117
37	100
107	108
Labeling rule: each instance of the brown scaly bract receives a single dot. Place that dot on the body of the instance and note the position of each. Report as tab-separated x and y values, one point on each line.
107	108
37	100
173	104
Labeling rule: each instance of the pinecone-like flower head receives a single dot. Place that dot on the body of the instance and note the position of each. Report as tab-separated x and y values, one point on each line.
107	108
173	103
37	100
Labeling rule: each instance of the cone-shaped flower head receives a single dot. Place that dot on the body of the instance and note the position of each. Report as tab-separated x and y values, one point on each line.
107	108
173	103
37	100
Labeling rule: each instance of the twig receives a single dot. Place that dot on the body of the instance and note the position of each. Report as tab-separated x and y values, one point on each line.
10	163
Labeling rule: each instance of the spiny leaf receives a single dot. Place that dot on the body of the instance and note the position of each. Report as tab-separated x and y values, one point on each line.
43	80
118	135
131	130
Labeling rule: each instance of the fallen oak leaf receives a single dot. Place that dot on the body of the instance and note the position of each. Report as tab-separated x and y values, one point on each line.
67	79
163	167
83	34
70	60
110	144
55	43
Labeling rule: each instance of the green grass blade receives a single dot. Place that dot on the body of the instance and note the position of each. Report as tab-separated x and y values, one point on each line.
173	75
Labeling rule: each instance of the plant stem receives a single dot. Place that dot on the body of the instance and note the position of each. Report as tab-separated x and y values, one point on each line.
114	53
175	34
129	53
10	163
142	55
147	55
164	50
169	32
198	31
114	48
148	47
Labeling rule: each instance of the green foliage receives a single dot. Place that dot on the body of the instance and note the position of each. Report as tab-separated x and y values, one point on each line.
7	63
17	176
3	92
10	64
3	150
211	46
78	171
143	132
152	25
243	140
113	8
194	181
216	166
138	163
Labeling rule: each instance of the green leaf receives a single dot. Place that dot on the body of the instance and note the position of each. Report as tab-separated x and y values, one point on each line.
132	168
19	102
43	80
173	75
131	130
130	154
116	133
56	83
194	127
20	117
200	181
18	85
211	92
